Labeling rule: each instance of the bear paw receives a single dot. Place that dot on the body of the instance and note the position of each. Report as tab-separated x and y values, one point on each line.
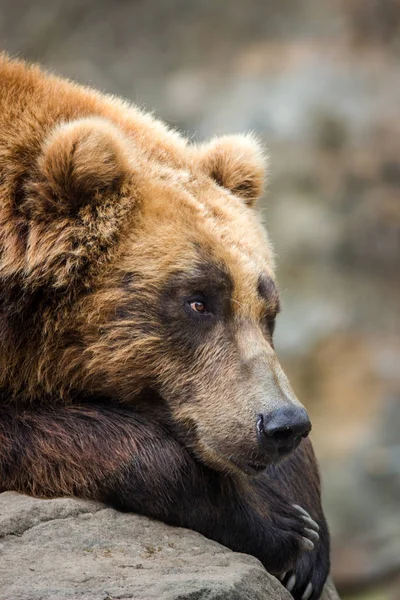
306	580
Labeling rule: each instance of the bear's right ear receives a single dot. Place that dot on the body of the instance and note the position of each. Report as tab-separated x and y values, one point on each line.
77	201
82	162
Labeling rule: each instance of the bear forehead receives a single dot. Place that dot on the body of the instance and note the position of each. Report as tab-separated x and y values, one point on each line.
188	220
191	205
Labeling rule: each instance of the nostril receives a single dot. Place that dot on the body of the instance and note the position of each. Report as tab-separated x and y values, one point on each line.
260	424
283	427
283	436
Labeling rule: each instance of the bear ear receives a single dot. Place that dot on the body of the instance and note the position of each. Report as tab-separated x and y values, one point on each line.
81	162
238	163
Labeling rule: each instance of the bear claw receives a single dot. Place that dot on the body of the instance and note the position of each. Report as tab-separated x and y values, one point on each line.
312	534
311	531
310	522
307	544
302	510
307	592
307	517
291	583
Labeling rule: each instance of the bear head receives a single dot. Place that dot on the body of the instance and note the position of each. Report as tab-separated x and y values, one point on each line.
148	268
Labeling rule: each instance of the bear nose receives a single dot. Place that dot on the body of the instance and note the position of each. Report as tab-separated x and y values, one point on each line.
283	427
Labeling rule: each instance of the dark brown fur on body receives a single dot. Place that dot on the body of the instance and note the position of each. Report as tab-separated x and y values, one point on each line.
114	230
129	460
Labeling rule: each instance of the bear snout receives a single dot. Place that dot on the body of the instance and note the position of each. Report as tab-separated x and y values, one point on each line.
281	430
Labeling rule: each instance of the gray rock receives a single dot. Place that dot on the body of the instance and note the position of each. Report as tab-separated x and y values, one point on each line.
69	549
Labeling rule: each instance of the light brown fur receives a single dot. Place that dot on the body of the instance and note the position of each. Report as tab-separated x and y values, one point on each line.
100	205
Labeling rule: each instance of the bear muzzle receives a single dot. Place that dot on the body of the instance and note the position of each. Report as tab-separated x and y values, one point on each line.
281	431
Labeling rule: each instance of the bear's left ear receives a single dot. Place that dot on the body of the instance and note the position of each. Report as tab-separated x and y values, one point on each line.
82	162
238	163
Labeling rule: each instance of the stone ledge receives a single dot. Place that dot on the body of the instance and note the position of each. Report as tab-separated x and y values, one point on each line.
67	549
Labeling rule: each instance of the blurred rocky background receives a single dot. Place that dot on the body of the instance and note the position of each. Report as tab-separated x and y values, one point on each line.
319	82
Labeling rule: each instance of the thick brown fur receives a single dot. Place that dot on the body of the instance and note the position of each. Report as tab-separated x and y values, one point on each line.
112	227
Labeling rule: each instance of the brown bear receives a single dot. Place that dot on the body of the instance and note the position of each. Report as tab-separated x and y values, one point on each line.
137	309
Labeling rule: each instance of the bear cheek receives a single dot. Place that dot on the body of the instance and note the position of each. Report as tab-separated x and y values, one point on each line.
219	427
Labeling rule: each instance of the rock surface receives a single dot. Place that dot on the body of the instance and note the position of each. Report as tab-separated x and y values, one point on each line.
66	549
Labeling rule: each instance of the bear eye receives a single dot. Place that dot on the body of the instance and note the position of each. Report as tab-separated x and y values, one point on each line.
271	326
198	306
